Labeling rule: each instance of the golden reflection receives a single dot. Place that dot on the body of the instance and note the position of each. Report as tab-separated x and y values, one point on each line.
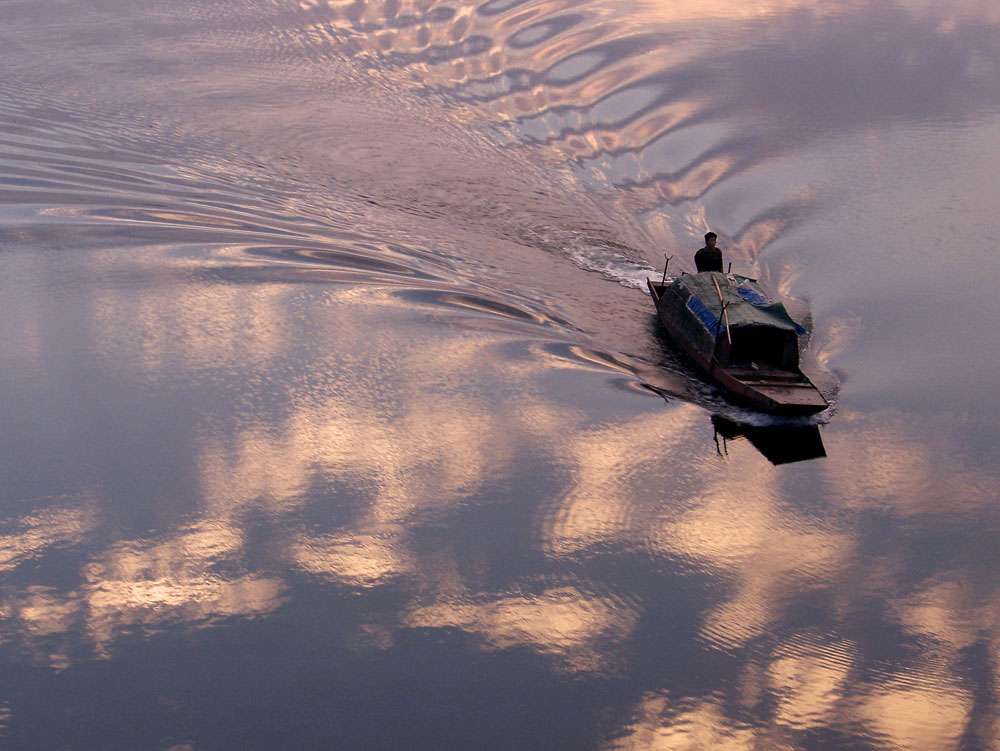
766	549
195	599
915	716
34	533
893	461
662	725
147	583
37	616
360	559
409	454
438	449
582	60
738	526
758	234
595	508
808	680
192	324
811	691
177	579
581	632
696	181
946	612
42	611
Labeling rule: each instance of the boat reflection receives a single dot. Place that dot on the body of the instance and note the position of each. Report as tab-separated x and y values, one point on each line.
780	444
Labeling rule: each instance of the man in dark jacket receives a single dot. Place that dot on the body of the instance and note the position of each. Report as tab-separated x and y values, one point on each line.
709	258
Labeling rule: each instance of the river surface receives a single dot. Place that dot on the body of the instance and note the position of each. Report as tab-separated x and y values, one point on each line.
334	413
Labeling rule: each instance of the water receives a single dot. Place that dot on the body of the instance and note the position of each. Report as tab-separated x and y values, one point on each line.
335	414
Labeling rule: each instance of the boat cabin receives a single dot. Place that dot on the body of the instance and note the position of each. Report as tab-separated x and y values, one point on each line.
729	319
761	345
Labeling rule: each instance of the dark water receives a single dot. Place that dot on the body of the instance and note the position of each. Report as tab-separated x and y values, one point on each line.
334	414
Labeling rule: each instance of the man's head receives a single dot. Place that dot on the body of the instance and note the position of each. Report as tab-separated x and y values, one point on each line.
710	239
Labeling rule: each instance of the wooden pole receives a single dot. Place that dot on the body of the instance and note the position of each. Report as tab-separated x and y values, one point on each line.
723	314
665	269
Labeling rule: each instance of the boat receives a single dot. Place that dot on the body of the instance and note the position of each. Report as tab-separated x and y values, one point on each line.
743	340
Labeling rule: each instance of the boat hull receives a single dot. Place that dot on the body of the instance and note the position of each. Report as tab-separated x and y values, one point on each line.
778	392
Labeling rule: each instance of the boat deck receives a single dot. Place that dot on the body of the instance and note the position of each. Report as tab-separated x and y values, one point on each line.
768	376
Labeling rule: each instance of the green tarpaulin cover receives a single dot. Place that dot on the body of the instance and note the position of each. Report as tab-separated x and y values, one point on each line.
748	305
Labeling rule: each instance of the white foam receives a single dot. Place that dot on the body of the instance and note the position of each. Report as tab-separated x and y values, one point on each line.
612	264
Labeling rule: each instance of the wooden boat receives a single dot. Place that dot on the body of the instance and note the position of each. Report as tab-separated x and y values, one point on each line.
745	342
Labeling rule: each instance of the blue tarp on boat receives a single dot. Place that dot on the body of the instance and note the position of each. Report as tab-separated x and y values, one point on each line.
704	314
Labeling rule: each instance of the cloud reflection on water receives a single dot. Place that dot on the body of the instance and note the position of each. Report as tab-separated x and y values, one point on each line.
581	632
407	449
442	459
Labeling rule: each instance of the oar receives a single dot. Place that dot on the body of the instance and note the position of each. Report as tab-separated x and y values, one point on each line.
665	269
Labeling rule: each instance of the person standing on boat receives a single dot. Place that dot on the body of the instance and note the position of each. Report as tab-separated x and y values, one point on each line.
709	258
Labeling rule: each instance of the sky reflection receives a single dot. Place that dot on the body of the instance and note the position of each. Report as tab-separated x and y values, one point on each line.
409	454
316	427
